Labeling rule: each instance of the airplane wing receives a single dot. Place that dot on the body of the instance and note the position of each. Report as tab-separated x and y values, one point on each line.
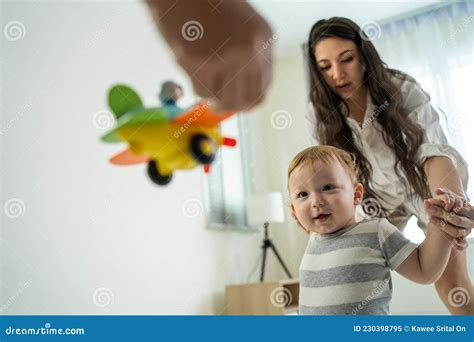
203	115
128	158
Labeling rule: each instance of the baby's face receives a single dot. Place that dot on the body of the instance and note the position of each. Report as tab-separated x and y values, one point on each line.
323	196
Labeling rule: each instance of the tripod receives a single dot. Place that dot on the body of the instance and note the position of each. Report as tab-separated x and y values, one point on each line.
267	242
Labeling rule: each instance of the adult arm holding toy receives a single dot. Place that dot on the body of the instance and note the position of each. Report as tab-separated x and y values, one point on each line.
225	48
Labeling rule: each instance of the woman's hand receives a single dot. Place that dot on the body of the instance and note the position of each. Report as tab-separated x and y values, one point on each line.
452	214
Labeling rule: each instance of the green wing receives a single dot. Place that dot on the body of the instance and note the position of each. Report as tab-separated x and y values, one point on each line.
138	117
123	99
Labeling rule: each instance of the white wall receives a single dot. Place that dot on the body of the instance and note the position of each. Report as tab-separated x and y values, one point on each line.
85	224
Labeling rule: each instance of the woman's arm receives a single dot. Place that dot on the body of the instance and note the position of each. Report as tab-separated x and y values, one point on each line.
441	173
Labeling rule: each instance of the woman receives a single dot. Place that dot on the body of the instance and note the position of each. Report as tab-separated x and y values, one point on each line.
385	119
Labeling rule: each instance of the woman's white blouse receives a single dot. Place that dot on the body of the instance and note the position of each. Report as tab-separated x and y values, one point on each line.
368	138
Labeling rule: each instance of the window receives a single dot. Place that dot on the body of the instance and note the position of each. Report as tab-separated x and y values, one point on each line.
229	182
435	47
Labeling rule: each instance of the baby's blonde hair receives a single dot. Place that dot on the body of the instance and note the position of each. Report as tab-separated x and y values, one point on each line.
325	154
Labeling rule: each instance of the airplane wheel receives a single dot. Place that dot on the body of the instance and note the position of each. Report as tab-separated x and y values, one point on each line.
203	148
155	175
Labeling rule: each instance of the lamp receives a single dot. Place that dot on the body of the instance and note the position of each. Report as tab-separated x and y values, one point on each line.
263	209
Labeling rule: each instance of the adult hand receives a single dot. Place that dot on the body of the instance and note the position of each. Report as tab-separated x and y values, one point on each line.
224	47
452	214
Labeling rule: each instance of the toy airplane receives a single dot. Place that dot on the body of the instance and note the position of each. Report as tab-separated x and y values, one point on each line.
168	138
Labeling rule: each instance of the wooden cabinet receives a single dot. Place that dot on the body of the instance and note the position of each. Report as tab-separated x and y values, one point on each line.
272	298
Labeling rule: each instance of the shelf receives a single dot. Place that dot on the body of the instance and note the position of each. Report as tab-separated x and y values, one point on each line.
270	298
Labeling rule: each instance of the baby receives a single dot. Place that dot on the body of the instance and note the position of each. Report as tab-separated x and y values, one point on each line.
346	266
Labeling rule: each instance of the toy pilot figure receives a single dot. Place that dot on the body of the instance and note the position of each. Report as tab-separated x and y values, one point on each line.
169	94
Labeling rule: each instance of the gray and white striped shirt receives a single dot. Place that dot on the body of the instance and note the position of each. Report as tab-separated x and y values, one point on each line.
348	272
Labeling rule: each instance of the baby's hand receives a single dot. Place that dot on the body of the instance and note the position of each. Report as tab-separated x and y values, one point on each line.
438	201
445	200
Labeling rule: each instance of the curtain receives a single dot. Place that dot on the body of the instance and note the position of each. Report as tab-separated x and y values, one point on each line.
437	48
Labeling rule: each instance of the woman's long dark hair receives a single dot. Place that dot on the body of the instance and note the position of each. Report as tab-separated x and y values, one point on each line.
400	133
